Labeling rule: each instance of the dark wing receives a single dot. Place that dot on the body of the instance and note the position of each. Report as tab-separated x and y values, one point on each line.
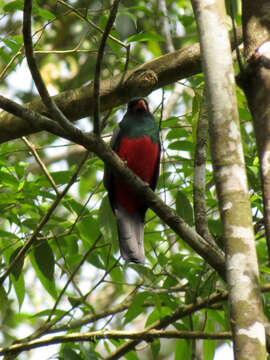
107	178
156	173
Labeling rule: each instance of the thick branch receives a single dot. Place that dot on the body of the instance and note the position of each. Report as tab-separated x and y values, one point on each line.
116	335
140	81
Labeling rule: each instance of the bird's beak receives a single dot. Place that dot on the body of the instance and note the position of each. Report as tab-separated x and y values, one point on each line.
140	105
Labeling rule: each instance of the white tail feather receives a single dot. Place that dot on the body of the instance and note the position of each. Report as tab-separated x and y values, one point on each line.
131	235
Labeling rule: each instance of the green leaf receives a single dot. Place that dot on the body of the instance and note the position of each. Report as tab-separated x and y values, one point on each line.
143	9
47	284
69	354
157	314
131	356
14	5
182	145
217	316
45	260
59	177
209	346
107	222
265	269
155	347
8	179
144	272
58	313
18	266
127	13
183	349
89	230
89	353
3	300
19	287
136	307
184	208
145	36
177	133
45	14
2	4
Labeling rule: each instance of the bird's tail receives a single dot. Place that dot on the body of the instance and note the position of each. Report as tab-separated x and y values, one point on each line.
131	235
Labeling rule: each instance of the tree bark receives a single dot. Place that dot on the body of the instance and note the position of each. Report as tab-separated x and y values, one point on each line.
231	182
256	84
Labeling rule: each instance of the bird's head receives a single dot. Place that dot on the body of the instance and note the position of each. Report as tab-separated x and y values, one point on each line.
138	105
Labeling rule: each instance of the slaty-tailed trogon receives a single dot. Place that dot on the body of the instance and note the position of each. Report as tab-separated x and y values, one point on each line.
136	141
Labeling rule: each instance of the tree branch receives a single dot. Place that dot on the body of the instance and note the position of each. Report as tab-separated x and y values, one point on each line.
115	91
116	335
93	143
168	320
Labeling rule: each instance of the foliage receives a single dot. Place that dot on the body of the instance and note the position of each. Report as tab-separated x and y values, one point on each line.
76	250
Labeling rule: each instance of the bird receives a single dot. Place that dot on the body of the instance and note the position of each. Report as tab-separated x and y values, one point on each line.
136	141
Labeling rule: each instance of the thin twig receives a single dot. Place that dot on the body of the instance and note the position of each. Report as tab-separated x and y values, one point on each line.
41	163
91	23
101	49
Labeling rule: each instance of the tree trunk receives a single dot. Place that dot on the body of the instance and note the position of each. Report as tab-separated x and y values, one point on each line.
256	84
231	182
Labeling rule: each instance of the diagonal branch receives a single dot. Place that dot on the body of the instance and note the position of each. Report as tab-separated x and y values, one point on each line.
210	252
41	164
